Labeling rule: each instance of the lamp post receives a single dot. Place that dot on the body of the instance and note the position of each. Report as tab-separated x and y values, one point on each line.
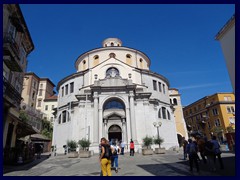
157	125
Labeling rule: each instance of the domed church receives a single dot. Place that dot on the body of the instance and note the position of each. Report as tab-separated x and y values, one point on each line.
113	94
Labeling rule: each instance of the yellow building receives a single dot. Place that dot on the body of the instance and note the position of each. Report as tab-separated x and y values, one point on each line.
211	115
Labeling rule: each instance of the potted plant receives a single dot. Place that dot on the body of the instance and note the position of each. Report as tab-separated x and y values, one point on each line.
72	146
159	150
147	142
84	148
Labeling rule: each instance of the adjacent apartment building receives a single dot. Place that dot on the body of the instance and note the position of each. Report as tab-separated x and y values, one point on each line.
226	36
38	98
17	45
211	115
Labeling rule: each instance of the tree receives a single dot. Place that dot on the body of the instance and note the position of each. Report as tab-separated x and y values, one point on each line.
84	143
23	116
230	129
158	141
72	145
147	141
47	129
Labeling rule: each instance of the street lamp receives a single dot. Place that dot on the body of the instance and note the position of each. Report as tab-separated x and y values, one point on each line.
157	125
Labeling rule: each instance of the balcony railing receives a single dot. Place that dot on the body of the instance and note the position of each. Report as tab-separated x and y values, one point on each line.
11	53
10	92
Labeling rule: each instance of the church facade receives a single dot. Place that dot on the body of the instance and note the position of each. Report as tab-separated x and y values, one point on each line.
113	94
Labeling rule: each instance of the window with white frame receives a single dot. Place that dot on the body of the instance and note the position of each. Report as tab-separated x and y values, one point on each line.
232	120
227	98
217	122
215	111
209	125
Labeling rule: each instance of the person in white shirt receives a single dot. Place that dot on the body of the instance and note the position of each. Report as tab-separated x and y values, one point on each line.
115	152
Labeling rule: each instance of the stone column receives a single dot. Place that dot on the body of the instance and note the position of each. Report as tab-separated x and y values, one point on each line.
132	115
100	121
95	120
105	129
124	130
128	126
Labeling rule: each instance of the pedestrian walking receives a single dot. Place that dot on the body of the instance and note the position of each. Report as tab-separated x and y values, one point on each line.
105	157
122	147
184	145
201	148
209	152
131	148
192	154
115	152
217	152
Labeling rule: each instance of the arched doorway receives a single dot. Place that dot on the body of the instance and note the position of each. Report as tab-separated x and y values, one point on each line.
179	137
114	133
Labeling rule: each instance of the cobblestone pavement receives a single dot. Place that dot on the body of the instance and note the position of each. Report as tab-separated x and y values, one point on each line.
169	164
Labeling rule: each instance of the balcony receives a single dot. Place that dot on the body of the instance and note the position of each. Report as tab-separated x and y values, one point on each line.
11	94
11	53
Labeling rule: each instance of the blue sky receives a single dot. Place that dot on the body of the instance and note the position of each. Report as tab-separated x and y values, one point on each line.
178	39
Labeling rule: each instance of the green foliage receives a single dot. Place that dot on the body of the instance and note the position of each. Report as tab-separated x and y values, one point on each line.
230	129
84	143
147	141
72	145
23	116
47	129
217	130
158	141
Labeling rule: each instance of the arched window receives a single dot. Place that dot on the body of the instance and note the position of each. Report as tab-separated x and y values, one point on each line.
114	104
168	115
140	60
128	56
164	115
84	62
159	113
175	101
112	44
112	72
112	55
96	57
59	119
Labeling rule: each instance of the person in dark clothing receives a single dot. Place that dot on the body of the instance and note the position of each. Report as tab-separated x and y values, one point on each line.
184	144
192	154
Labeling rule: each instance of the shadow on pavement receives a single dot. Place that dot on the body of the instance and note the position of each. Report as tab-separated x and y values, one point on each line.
169	169
27	166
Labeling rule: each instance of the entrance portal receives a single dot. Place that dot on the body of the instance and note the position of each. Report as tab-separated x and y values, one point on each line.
115	133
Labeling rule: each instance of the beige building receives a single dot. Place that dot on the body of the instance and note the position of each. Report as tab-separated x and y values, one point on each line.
38	98
211	115
50	104
175	100
17	45
226	36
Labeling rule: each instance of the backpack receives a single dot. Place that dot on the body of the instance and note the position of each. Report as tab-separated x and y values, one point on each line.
116	150
108	152
192	149
209	148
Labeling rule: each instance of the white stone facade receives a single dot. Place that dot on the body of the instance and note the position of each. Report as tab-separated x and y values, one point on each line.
112	95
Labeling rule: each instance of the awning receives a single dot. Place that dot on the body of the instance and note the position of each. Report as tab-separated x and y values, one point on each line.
23	129
39	138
